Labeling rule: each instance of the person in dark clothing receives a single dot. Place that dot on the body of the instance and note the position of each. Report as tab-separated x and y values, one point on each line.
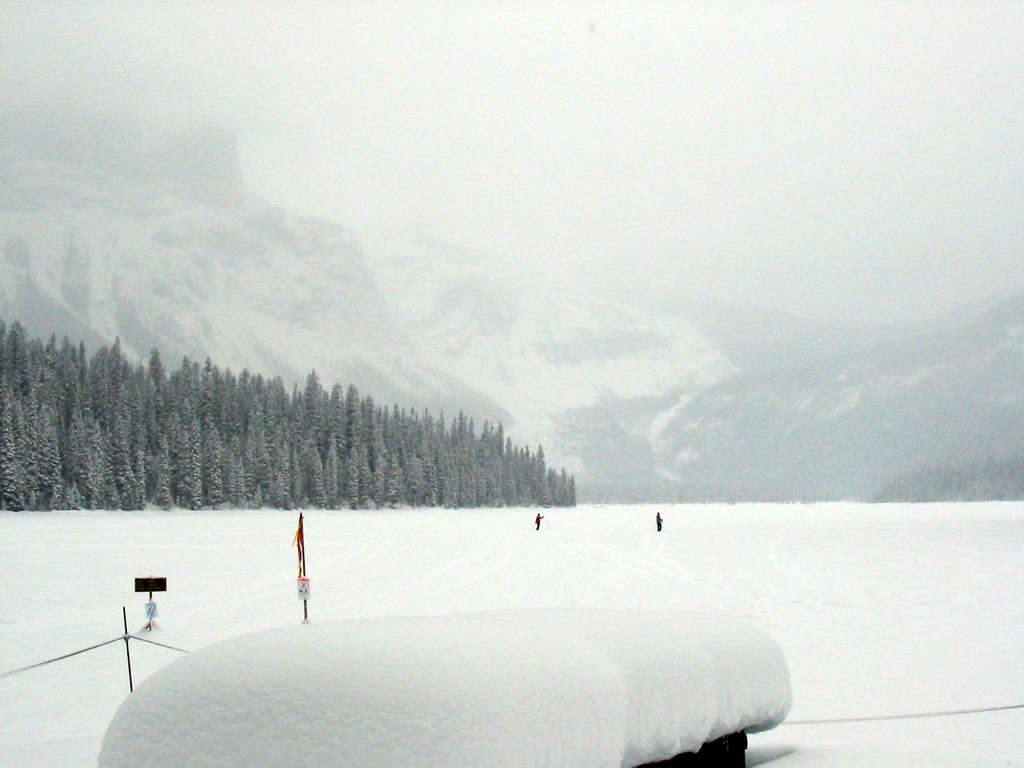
539	518
657	520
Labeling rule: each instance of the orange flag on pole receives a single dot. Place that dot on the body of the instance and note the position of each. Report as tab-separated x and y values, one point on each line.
300	542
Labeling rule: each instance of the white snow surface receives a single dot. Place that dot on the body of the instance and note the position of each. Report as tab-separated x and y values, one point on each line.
549	688
880	609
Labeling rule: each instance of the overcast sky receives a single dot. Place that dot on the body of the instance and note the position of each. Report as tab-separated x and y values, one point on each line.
840	160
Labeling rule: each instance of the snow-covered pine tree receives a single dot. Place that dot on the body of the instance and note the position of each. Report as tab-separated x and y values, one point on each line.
105	433
18	375
193	498
212	466
416	485
49	485
280	472
353	425
162	494
380	483
314	471
101	492
332	497
13	477
394	485
121	460
365	481
353	481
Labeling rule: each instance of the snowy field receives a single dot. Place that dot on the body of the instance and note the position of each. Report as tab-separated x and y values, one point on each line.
880	610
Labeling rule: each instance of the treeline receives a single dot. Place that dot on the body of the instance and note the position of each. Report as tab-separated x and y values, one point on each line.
984	480
103	433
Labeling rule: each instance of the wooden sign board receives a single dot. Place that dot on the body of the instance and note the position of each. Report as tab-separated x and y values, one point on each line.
151	584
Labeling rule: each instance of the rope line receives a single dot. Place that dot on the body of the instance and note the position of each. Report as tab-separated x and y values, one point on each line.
154	642
915	716
824	721
60	658
85	650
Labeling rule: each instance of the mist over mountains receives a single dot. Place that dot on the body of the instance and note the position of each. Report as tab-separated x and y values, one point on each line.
97	244
151	236
839	422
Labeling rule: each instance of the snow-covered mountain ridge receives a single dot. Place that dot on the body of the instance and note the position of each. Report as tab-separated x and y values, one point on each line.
154	238
97	252
540	347
842	424
692	402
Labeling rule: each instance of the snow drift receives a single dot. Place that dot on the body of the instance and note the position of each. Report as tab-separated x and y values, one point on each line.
553	687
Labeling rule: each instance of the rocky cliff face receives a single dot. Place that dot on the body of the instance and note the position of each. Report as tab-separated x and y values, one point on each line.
178	256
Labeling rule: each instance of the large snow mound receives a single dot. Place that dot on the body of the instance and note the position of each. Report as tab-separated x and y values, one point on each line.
553	687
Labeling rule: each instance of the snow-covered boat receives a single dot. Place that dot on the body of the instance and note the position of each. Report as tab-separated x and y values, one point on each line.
548	688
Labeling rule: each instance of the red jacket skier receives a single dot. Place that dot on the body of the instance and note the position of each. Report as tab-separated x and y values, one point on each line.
539	518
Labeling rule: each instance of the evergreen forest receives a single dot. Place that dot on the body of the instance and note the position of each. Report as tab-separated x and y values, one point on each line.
988	479
102	432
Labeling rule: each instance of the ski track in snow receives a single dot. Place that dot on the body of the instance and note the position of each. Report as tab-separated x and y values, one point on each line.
880	609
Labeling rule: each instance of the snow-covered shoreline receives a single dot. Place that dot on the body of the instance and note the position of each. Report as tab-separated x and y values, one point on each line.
879	609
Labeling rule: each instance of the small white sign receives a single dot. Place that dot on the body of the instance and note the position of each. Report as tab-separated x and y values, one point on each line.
151	612
303	588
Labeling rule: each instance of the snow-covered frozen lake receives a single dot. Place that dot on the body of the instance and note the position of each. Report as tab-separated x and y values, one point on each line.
881	610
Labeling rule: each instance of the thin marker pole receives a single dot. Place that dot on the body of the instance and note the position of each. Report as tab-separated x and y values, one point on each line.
300	540
127	651
305	603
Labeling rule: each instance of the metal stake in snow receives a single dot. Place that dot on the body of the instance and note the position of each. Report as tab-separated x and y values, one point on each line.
127	650
303	582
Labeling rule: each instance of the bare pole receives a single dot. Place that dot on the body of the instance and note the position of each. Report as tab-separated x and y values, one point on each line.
127	650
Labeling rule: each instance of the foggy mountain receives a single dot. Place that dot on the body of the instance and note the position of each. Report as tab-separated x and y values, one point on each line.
540	348
840	422
153	238
701	402
758	340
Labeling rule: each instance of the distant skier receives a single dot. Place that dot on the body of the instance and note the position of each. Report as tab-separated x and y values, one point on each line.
657	520
539	518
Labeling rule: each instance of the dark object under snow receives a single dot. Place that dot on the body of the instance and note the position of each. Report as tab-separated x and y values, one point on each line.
726	752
